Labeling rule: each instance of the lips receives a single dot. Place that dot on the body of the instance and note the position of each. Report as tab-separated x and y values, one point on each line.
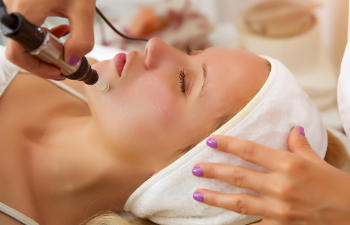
120	61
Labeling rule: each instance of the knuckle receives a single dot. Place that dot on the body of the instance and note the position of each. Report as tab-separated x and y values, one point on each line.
240	207
237	179
248	150
293	165
286	213
284	190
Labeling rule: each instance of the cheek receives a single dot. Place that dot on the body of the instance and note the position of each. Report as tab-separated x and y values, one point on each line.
141	113
106	70
154	99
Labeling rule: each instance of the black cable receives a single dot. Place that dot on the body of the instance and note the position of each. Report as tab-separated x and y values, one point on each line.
3	12
117	31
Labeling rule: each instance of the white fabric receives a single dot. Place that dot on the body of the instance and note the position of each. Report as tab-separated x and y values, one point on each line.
20	217
344	88
7	71
166	198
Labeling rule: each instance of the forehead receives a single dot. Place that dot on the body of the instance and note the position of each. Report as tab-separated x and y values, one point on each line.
234	76
230	59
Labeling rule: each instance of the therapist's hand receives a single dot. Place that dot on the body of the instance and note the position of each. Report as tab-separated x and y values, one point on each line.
298	188
81	18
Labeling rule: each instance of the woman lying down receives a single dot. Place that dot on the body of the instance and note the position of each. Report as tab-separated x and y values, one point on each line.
65	160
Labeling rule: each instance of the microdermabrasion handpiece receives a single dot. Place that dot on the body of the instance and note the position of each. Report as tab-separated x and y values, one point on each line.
44	45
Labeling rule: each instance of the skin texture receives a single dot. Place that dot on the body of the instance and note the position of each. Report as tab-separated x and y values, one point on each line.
299	187
147	99
80	14
89	158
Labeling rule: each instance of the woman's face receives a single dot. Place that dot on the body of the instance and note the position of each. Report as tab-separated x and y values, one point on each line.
165	100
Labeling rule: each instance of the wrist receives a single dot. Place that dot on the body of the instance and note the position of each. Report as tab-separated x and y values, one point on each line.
340	209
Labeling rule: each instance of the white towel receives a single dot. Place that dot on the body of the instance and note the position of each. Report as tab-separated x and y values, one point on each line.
166	198
8	70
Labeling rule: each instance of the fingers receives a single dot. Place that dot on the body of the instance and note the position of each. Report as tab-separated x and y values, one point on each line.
249	151
36	15
16	54
240	203
81	40
236	175
298	143
60	31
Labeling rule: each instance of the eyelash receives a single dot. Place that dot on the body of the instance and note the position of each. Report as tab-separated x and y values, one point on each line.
182	74
182	81
189	50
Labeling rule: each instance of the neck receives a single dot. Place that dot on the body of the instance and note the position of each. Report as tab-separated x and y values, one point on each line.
78	174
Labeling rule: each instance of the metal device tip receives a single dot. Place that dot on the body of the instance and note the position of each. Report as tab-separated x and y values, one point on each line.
101	85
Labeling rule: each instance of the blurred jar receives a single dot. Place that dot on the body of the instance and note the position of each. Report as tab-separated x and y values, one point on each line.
177	22
333	18
284	30
290	30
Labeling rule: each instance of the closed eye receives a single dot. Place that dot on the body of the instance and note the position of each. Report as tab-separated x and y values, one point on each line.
191	52
182	81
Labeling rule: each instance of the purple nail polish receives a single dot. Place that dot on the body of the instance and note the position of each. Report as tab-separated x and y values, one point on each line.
73	60
197	171
198	196
211	142
302	131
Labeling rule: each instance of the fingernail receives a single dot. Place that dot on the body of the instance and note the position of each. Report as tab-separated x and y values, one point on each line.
73	60
198	196
211	142
302	131
197	171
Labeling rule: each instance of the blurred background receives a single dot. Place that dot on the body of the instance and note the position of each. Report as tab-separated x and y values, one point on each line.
309	36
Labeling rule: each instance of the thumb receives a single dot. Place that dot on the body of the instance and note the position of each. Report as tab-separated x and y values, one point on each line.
81	40
298	143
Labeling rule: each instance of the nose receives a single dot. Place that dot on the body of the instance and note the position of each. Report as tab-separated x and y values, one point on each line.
156	52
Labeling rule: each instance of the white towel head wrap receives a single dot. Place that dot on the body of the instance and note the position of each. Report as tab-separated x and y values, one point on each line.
166	198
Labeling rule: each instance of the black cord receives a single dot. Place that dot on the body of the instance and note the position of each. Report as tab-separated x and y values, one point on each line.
117	31
3	12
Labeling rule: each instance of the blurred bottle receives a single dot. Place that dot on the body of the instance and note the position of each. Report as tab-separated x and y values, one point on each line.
333	18
334	26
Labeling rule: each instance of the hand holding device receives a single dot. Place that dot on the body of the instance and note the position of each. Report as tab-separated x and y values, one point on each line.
80	14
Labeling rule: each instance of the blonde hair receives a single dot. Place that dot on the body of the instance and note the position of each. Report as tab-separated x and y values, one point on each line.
113	218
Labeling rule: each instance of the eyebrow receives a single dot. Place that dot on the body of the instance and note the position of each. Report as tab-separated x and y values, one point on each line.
205	73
